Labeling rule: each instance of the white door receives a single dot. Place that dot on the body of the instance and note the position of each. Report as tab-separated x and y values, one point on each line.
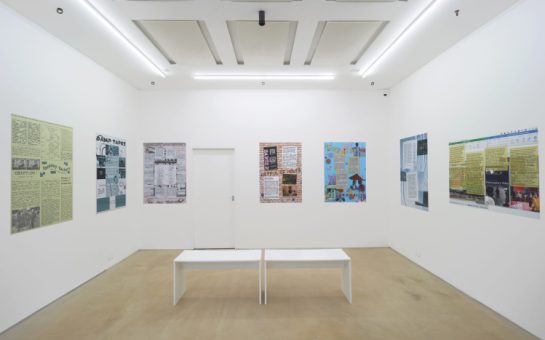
212	197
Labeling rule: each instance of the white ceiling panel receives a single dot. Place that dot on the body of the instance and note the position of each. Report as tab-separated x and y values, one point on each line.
268	45
262	0
365	0
181	42
342	43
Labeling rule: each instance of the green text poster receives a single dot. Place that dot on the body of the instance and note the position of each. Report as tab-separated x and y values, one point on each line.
41	173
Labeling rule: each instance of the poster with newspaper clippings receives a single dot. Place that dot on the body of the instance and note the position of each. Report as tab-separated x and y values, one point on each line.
499	173
280	173
41	173
164	173
111	159
413	158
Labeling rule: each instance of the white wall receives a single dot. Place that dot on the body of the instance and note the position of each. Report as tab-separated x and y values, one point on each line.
489	83
241	119
42	78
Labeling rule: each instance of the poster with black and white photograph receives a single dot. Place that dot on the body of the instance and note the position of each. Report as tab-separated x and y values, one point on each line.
164	173
111	159
280	179
498	173
41	173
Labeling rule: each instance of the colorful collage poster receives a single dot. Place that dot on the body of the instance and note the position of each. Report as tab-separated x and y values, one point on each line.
41	174
498	173
164	173
111	157
414	171
345	172
280	172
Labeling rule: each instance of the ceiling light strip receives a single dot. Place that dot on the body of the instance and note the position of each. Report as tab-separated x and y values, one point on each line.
365	71
102	18
264	76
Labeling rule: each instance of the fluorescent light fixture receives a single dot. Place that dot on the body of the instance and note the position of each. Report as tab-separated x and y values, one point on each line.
263	76
364	72
138	52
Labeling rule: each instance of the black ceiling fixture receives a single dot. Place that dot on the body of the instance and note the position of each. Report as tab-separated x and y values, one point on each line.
60	10
261	18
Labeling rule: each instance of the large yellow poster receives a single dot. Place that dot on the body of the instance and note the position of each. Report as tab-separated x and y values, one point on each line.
497	172
41	173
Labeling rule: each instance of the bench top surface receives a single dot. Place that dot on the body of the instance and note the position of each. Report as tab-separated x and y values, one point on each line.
305	255
231	255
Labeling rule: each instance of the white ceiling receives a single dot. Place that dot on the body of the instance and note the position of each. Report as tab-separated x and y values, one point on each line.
181	42
184	37
342	43
261	46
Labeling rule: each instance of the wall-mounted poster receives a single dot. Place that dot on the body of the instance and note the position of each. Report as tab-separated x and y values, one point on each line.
414	171
497	173
280	172
111	153
345	177
41	173
164	173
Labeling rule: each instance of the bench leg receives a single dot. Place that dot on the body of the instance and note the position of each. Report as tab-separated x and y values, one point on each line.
259	282
346	280
178	282
265	283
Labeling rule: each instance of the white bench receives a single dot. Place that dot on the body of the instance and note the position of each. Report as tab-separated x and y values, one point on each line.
311	258
213	259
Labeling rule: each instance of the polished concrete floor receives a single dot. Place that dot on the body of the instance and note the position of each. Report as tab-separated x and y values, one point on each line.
393	299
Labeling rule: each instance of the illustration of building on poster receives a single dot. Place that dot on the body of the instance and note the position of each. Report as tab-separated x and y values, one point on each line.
164	173
497	173
41	173
111	159
414	171
280	172
345	177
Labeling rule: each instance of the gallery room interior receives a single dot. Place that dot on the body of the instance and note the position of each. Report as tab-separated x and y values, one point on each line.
272	169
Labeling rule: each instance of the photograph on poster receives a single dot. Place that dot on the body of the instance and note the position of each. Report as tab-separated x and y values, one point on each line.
345	177
41	174
280	172
164	173
111	155
498	173
413	153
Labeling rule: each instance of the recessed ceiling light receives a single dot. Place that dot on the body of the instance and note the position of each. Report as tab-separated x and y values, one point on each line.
60	10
